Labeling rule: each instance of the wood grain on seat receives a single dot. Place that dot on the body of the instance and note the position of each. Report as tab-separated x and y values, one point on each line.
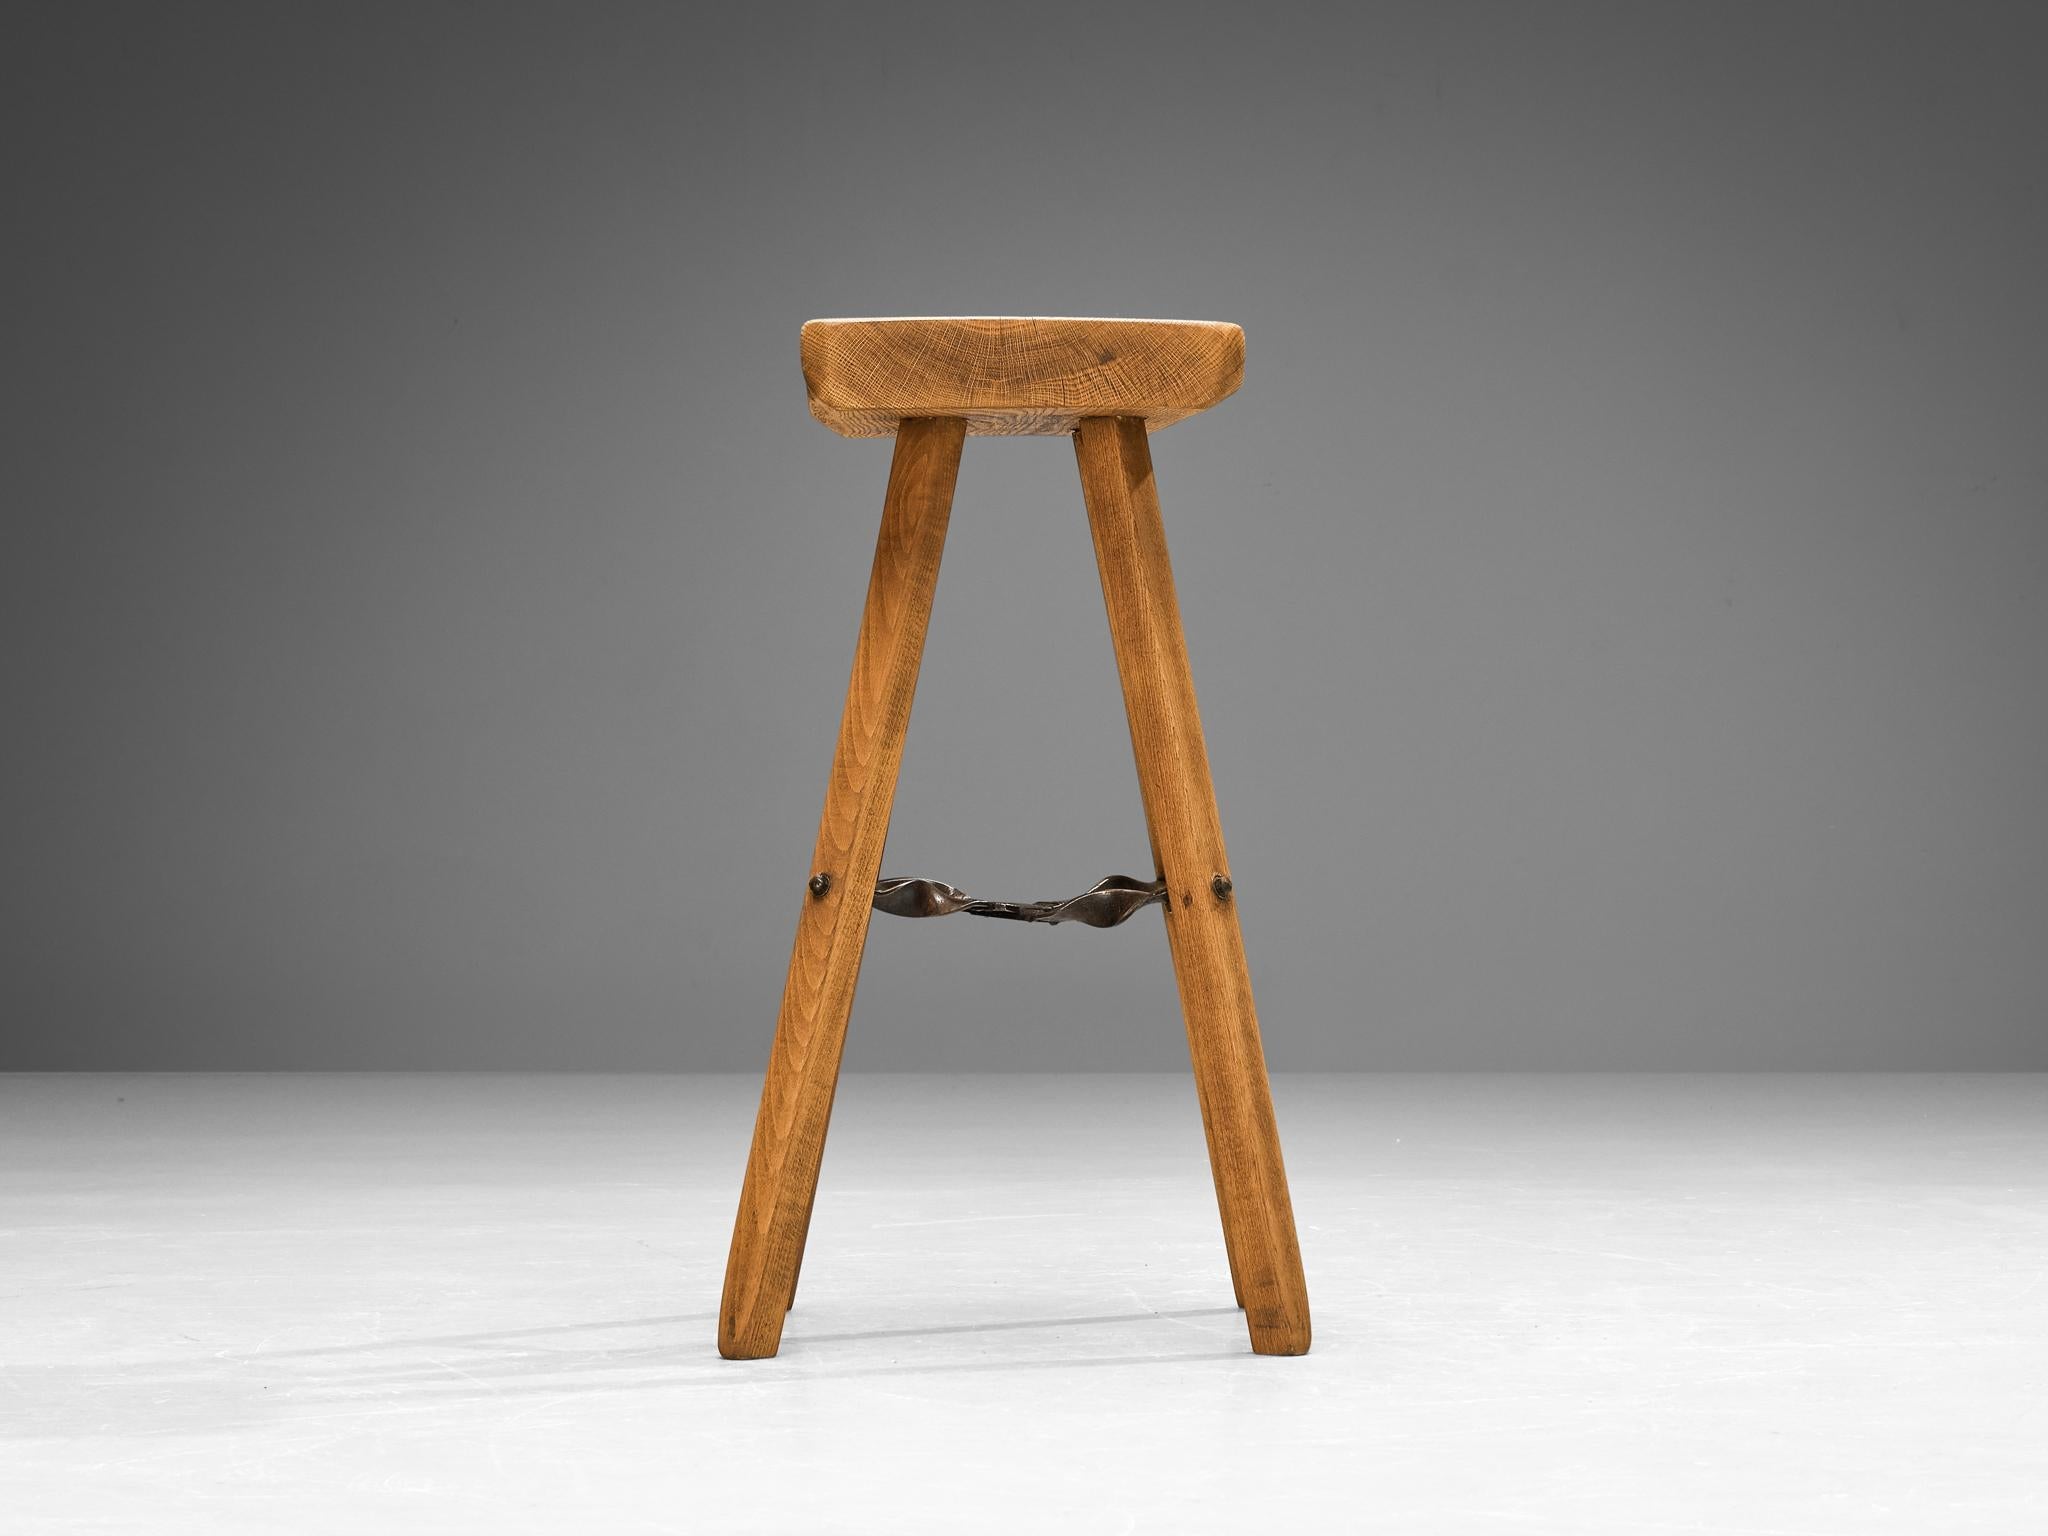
1016	377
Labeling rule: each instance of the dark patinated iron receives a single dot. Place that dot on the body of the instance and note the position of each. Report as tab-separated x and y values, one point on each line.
1103	905
820	883
1221	885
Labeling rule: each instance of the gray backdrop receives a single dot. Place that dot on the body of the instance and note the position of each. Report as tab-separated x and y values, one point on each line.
1617	596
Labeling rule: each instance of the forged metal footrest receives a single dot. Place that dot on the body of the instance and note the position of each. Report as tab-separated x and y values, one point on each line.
1103	905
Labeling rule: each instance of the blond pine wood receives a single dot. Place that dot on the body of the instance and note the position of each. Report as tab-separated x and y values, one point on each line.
1016	377
1187	845
810	1035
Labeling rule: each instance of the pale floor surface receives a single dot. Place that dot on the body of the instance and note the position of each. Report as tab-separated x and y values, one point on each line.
1543	1304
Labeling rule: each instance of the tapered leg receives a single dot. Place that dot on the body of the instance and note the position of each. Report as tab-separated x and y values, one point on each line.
810	1035
1201	908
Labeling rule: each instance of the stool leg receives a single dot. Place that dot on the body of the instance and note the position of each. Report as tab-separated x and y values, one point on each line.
810	1034
1201	910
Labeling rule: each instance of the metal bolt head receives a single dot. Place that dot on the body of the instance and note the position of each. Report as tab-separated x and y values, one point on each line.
1220	884
821	882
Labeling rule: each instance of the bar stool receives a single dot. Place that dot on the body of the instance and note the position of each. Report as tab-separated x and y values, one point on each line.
931	383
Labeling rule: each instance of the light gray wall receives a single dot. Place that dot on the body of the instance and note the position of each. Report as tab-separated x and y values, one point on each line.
1619	596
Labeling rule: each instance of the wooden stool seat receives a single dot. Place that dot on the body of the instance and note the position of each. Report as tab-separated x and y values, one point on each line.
930	383
1016	377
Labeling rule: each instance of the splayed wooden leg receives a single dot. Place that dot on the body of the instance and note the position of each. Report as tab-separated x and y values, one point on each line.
1201	910
810	1035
